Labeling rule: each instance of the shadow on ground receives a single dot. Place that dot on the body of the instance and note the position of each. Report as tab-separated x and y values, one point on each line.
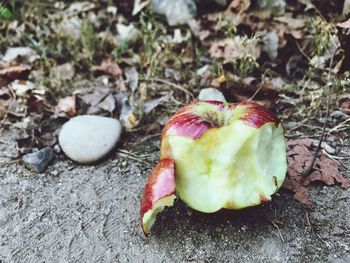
76	213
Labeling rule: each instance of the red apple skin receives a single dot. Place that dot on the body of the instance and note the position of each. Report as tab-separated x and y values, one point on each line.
264	200
187	123
256	115
161	183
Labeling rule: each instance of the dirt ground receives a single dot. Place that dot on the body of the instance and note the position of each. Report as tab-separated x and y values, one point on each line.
77	213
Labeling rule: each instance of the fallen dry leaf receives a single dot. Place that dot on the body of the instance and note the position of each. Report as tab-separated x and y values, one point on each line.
109	67
93	99
239	6
108	104
66	107
22	87
15	72
325	170
231	49
345	24
344	103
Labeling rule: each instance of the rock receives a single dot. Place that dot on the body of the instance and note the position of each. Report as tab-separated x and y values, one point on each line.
39	160
128	33
270	43
276	7
339	115
176	12
27	54
57	149
89	138
211	94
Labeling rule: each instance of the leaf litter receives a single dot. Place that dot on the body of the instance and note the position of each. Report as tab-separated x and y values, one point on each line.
146	67
326	170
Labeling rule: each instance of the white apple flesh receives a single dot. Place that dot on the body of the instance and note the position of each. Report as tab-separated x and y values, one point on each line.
225	156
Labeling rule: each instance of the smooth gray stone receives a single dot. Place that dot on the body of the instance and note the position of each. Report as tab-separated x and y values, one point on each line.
39	160
211	94
88	138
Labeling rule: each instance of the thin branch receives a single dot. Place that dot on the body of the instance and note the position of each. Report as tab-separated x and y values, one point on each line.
174	85
308	169
255	93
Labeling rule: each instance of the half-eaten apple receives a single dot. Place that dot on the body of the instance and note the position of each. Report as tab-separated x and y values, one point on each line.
216	155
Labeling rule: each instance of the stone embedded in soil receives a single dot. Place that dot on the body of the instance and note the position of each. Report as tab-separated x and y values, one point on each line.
176	12
39	160
89	138
211	94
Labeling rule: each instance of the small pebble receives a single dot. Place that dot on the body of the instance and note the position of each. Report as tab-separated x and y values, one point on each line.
57	149
88	138
339	115
176	12
211	94
39	160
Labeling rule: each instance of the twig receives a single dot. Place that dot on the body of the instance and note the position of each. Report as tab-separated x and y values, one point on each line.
309	223
308	169
313	230
339	126
143	156
335	158
325	242
134	157
174	85
255	93
275	224
302	51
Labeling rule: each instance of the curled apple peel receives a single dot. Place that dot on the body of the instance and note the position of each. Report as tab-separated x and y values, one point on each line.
159	192
217	155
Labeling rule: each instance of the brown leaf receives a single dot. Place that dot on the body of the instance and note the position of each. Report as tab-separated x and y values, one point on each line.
239	6
108	104
231	49
109	67
345	24
325	170
66	106
344	103
96	97
15	72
